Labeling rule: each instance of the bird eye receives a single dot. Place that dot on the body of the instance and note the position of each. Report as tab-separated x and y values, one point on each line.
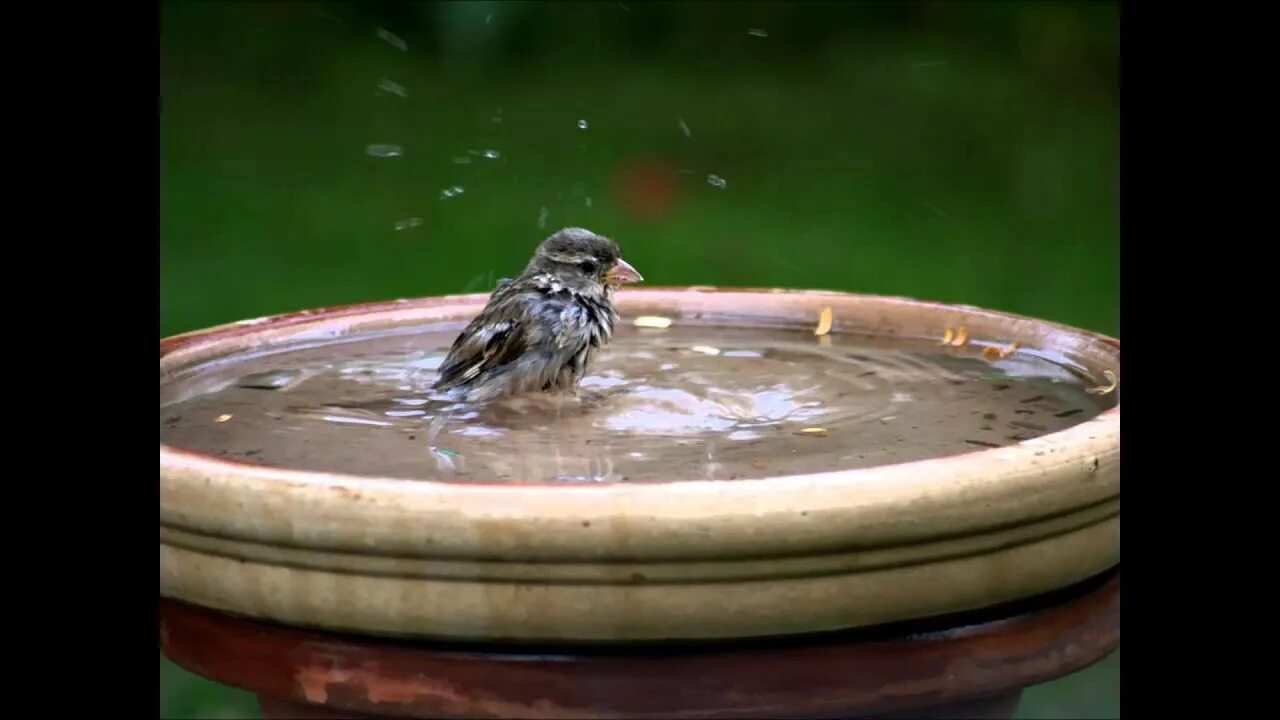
587	266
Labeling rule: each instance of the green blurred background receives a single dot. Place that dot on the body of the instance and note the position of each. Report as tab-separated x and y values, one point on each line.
956	151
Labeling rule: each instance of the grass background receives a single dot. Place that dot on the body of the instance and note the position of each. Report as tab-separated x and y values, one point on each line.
959	152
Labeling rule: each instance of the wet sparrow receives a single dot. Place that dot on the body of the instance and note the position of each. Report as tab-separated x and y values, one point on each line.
540	331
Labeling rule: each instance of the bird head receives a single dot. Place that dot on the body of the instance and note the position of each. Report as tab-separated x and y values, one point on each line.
583	261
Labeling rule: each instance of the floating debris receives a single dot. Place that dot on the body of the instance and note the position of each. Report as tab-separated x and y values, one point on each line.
454	191
582	124
223	418
814	431
381	150
705	349
955	338
991	352
652	321
983	443
888	418
717	181
392	87
407	223
488	154
824	322
392	39
1111	378
758	32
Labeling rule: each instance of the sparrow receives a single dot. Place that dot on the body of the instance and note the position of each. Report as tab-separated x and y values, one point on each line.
540	330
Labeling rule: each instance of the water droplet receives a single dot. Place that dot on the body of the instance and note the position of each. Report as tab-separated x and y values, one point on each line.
407	223
378	150
393	39
758	32
542	217
582	124
454	191
717	181
392	87
490	154
461	160
685	127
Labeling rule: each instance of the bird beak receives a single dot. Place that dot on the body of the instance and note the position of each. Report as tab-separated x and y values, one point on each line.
622	273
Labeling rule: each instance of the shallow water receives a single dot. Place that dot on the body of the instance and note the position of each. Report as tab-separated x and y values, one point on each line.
658	405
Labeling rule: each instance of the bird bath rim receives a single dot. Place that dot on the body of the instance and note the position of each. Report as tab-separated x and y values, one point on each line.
865	533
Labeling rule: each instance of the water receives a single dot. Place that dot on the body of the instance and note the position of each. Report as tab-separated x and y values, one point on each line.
659	405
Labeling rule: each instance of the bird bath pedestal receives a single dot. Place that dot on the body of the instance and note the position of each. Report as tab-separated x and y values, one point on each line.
934	588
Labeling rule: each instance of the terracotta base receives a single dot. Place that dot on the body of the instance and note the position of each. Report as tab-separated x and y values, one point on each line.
971	666
997	707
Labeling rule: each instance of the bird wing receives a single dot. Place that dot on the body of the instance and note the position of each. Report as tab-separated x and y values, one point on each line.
495	337
486	344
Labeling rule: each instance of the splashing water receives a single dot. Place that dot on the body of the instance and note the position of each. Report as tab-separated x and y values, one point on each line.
395	88
380	150
392	39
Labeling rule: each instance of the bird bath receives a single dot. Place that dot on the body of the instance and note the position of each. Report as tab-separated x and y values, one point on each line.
745	515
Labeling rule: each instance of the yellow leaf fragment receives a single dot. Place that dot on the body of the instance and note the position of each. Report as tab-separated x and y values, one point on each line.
1111	378
652	321
824	322
223	418
991	352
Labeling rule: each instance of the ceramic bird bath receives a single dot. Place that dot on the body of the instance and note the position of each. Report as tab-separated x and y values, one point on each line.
857	473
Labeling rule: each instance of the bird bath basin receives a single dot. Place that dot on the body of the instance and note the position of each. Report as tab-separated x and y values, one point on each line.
736	493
